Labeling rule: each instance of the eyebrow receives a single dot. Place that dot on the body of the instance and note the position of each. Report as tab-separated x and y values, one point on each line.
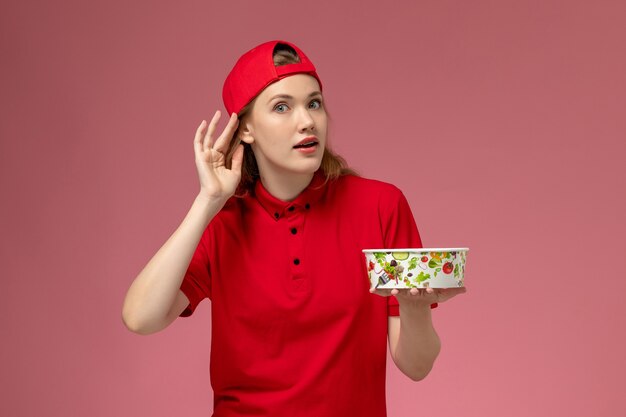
314	93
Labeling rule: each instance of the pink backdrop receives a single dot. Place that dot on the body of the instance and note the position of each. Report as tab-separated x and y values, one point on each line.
503	123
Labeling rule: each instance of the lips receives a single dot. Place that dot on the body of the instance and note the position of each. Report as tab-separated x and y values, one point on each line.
307	142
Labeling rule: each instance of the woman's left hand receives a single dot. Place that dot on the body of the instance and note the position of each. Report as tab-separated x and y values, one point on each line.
420	296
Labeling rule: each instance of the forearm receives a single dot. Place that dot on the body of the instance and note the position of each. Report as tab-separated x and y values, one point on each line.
153	292
418	343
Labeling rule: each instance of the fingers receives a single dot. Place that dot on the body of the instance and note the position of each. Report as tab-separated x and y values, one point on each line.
197	140
414	291
203	141
444	292
200	141
381	292
221	144
394	291
208	139
237	159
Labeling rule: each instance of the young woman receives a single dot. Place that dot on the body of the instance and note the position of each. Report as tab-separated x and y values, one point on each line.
274	240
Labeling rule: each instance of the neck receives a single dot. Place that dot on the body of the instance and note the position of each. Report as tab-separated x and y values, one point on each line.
286	187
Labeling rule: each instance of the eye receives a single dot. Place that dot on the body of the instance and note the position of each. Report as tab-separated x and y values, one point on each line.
319	103
280	105
315	107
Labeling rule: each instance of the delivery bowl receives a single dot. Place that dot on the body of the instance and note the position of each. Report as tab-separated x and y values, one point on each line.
416	268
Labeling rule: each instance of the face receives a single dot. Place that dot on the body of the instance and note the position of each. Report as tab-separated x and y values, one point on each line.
287	134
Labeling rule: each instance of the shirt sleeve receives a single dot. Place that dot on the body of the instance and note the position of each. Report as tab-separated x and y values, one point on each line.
196	284
399	231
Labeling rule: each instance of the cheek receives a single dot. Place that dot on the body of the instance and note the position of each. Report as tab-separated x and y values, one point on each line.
269	129
322	129
322	121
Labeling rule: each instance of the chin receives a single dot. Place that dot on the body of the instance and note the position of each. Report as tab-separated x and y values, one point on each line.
307	170
309	167
315	166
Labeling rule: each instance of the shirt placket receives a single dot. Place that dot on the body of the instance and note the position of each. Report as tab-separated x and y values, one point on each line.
294	220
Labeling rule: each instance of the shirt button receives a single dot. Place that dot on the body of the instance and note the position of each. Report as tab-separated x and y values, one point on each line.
307	206
292	208
276	215
296	261
294	231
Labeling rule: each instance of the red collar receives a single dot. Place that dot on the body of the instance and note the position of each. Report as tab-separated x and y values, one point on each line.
304	201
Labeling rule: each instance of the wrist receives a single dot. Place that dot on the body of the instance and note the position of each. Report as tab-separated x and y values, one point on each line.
210	201
417	318
415	309
425	307
207	206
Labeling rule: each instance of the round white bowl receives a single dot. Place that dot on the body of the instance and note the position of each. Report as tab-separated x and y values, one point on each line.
416	268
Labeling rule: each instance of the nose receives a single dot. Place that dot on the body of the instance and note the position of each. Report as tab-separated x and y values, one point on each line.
305	120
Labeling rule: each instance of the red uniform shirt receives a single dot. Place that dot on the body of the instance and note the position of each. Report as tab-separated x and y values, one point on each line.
295	330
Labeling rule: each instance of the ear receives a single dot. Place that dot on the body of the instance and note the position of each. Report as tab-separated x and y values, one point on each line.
245	133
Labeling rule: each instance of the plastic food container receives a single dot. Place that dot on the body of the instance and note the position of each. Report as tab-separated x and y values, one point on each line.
416	268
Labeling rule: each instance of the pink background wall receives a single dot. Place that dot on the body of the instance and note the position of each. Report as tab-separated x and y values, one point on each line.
503	123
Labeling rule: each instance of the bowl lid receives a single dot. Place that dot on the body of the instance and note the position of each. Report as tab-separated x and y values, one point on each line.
417	250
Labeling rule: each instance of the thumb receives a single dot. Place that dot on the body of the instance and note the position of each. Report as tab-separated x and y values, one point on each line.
237	160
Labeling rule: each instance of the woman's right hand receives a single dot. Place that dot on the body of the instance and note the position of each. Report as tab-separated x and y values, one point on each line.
216	181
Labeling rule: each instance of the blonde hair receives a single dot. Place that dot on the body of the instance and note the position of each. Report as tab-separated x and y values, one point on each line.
333	166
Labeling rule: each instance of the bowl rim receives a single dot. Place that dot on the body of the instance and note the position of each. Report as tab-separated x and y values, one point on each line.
417	250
